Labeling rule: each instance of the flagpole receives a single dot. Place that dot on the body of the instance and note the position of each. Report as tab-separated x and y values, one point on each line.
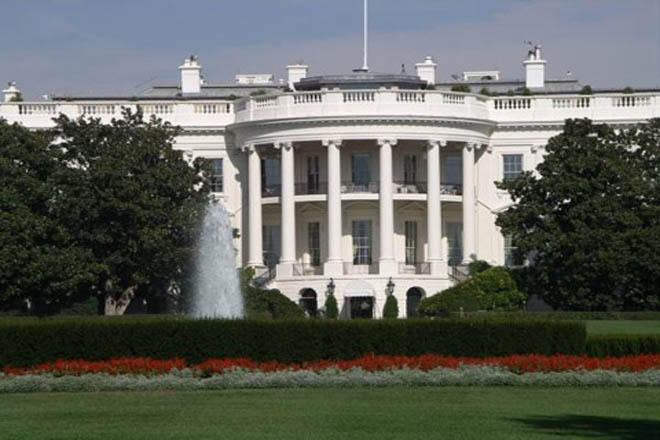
365	67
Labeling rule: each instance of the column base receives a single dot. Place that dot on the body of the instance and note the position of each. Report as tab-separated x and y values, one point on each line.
333	268
439	268
284	270
388	267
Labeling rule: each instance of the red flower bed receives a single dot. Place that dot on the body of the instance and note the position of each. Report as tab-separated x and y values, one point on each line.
514	363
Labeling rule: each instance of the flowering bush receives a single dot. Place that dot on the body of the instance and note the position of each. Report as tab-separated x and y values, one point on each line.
517	364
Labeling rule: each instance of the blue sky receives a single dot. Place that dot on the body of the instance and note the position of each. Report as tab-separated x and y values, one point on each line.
122	46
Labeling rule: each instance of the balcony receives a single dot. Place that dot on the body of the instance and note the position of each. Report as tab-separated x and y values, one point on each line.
311	188
306	269
271	190
360	269
415	269
452	189
350	187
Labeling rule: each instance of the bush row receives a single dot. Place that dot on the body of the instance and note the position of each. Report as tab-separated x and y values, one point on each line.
622	345
559	315
29	342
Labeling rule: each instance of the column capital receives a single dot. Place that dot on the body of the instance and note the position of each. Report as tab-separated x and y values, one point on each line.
248	148
283	145
391	142
469	146
436	143
327	142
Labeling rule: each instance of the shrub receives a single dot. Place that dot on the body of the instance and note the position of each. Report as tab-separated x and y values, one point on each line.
331	309
478	266
622	345
526	91
449	300
464	88
628	90
25	342
586	90
391	309
492	289
262	303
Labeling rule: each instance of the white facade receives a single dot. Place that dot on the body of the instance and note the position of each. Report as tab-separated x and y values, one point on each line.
363	186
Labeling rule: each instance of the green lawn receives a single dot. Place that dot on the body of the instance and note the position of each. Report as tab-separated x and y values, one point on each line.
362	413
623	327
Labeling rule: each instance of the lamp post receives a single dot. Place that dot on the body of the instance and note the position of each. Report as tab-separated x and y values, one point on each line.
390	287
331	287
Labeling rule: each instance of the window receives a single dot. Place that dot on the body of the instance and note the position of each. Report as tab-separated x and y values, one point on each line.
512	165
271	237
313	175
454	243
362	242
410	169
512	256
411	242
313	243
216	175
360	168
452	170
270	175
309	303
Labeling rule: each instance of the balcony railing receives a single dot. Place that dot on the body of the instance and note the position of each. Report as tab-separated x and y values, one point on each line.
305	188
306	269
271	190
415	269
352	187
360	269
410	188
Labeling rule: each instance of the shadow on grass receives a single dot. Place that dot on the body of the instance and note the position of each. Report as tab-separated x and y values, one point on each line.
595	427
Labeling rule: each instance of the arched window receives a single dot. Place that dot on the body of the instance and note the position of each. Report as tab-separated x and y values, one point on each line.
308	302
413	298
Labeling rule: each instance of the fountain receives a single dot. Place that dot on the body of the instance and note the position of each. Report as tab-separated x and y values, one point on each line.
217	292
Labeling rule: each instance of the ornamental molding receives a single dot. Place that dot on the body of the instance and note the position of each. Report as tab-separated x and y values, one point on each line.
390	141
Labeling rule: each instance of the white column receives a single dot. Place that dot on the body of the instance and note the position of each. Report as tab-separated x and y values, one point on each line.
387	264
469	251
333	266
255	257
288	208
434	209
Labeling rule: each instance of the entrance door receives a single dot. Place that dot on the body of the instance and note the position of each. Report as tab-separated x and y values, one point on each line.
362	307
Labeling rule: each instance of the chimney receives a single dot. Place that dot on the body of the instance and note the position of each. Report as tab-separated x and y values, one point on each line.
534	69
426	70
191	78
296	72
12	93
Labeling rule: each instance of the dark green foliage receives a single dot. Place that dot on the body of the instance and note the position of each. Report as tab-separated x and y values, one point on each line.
464	88
526	91
331	308
586	90
582	316
391	308
622	345
628	90
478	266
492	289
486	92
454	299
591	220
17	98
269	304
31	341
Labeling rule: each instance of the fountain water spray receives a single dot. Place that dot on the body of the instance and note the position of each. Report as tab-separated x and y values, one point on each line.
217	287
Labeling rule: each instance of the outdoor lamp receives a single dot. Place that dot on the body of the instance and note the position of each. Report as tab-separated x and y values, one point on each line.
390	287
331	286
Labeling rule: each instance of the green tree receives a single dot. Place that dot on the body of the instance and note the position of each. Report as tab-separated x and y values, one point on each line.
42	268
133	202
331	309
590	221
391	308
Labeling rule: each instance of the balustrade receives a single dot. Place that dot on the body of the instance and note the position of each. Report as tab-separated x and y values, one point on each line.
631	101
307	98
212	108
512	103
359	96
571	102
37	109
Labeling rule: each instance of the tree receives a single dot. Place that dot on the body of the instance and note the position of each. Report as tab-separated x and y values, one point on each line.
42	268
132	201
391	308
590	221
331	309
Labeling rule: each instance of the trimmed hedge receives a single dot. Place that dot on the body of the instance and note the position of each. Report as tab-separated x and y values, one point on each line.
622	345
269	304
578	316
30	341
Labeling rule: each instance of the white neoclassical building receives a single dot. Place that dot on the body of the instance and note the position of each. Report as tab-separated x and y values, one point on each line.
364	184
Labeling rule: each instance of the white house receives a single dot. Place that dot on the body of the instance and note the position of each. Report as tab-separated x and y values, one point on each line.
353	182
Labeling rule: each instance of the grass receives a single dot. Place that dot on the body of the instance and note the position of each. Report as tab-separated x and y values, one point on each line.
623	327
363	413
